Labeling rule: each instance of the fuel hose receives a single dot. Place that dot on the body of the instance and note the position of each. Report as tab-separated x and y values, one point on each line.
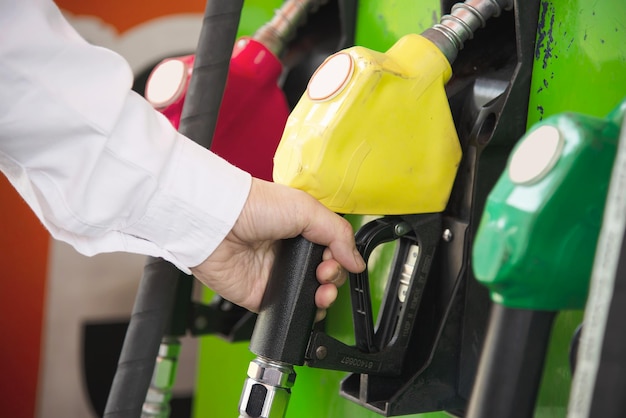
156	294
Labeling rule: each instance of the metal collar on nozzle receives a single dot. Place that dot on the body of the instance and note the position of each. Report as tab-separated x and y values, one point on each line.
276	33
459	26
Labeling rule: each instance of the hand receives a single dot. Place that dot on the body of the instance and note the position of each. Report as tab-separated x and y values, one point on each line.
239	267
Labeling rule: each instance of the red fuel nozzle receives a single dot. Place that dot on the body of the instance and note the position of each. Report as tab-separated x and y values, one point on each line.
253	111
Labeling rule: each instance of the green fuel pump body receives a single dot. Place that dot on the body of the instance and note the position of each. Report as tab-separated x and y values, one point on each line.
580	66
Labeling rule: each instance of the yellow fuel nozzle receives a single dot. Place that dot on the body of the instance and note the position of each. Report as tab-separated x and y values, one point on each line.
373	134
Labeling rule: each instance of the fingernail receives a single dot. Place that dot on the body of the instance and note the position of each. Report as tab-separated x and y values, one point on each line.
320	315
359	259
338	275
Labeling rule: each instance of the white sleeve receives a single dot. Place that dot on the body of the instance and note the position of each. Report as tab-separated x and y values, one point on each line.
101	169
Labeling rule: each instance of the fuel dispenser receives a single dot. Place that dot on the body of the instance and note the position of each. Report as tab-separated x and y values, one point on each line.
374	134
422	354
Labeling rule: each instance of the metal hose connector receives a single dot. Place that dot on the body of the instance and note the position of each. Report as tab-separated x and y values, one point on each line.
464	19
157	403
267	389
277	32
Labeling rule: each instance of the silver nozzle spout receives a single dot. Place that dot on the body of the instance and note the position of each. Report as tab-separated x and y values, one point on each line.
464	19
267	389
277	32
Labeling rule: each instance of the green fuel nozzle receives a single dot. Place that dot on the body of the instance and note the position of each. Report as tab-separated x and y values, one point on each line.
535	245
534	251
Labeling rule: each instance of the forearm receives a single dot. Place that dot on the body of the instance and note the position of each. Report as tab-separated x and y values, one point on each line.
101	168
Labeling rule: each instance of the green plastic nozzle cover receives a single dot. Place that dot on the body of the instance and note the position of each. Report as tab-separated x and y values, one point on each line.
536	241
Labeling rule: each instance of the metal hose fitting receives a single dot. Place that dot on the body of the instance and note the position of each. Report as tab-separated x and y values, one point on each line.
277	32
157	403
459	26
267	389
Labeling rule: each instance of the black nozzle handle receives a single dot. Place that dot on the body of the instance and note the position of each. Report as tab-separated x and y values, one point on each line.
369	236
511	363
287	314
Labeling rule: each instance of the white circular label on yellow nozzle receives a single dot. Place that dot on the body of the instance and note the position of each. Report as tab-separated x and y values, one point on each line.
535	156
166	83
331	77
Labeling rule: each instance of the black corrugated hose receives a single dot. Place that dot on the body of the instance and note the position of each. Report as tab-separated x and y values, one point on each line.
155	297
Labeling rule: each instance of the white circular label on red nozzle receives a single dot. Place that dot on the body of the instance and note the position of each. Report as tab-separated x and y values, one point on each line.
331	77
535	156
166	83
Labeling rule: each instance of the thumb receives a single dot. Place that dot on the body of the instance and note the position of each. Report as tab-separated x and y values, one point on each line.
325	227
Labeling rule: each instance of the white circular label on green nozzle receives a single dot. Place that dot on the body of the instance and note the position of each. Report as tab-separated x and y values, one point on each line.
331	77
166	83
535	156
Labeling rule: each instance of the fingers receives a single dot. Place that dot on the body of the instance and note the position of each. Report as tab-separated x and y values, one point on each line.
331	275
325	296
327	228
275	211
320	314
330	271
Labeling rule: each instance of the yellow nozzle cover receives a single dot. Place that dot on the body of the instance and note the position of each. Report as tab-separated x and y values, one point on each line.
374	134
